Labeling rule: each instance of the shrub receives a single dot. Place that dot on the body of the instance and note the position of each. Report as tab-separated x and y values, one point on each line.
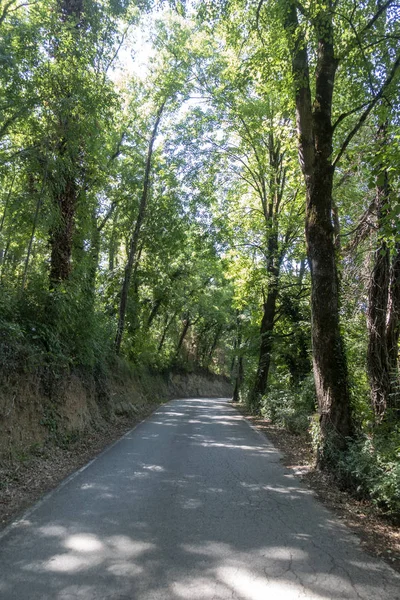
371	467
290	407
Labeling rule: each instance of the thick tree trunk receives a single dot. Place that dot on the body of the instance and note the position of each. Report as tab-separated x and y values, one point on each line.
377	354
136	234
329	362
315	134
61	236
384	312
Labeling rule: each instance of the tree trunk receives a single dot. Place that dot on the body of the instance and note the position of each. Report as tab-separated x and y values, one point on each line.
271	196
3	216
154	312
377	353
393	322
94	256
136	233
34	225
383	318
61	236
329	361
186	325
239	375
213	347
315	133
239	379
264	361
168	323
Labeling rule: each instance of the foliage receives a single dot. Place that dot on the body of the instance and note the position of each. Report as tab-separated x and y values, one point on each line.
371	467
207	132
291	407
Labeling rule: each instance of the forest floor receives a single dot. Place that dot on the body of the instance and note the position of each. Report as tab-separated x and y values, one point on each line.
25	479
378	535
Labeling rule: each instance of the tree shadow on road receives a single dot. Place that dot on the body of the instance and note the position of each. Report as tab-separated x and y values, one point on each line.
190	505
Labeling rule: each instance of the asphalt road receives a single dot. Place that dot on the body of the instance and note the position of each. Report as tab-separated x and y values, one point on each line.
191	504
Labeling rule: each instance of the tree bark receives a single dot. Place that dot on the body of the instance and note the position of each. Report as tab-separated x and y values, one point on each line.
383	317
377	353
315	133
136	234
187	323
239	374
61	236
266	344
238	380
168	323
154	312
393	322
271	197
213	346
34	225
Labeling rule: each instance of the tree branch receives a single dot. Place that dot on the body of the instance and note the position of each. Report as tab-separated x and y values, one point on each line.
348	114
367	111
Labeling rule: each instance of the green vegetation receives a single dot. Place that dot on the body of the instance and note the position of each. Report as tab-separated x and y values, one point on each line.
230	206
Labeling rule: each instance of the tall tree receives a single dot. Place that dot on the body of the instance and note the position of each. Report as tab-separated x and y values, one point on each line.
133	244
167	87
384	288
316	130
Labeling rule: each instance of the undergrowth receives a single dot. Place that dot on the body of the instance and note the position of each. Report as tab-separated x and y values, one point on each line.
290	407
369	467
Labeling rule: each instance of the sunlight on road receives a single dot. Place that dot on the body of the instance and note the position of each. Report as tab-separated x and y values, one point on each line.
248	586
188	506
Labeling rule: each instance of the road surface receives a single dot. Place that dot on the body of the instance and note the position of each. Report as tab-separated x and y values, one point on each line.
192	504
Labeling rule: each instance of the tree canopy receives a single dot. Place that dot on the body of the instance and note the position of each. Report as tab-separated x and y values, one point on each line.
211	185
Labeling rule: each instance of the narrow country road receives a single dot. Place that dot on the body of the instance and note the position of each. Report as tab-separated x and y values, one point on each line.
191	504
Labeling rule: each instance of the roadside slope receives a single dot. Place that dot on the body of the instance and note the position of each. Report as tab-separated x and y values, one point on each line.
45	438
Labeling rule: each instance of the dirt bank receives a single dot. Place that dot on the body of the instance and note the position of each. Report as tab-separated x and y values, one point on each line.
49	431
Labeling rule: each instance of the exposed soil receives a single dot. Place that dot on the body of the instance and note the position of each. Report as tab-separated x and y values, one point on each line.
26	479
378	535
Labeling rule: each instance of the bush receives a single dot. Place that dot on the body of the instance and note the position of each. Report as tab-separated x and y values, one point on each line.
371	467
290	407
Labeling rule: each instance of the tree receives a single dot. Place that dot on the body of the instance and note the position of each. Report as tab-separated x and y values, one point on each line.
384	289
168	82
316	139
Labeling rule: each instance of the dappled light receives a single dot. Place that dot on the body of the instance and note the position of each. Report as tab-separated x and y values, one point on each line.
199	198
205	516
